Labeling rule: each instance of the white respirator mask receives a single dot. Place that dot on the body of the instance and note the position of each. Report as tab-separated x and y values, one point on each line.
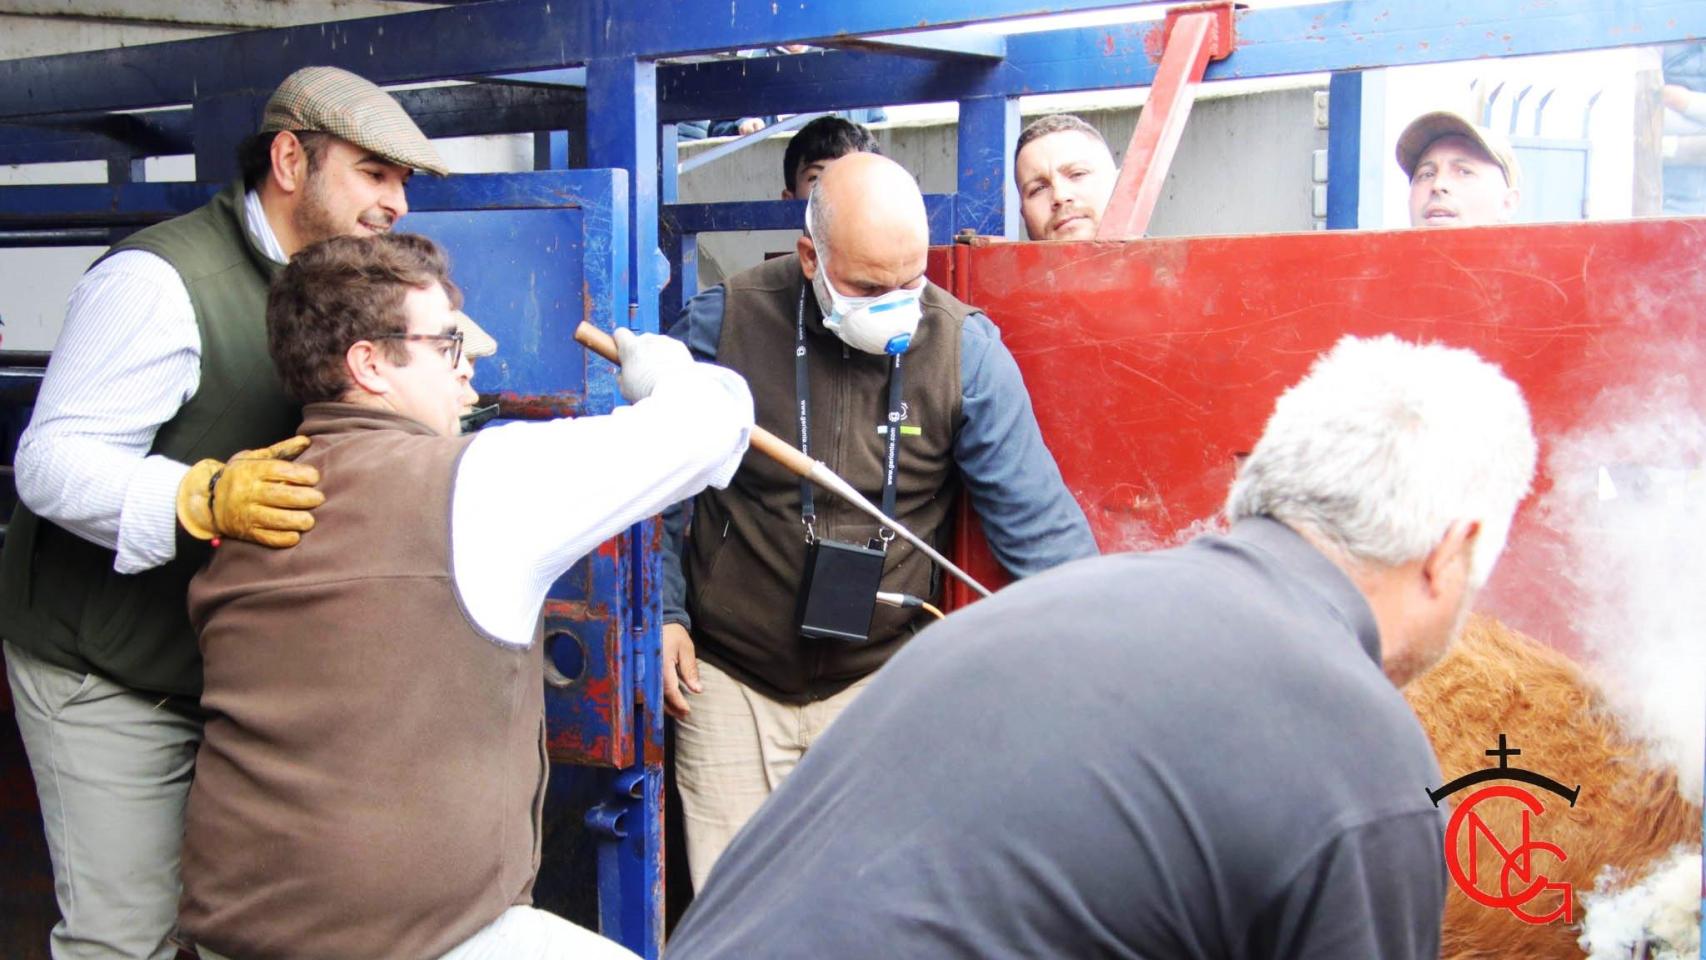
880	325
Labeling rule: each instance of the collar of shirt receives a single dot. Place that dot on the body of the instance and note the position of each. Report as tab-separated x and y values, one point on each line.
1300	556
260	229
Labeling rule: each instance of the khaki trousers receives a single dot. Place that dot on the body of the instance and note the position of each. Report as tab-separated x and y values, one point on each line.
112	770
732	750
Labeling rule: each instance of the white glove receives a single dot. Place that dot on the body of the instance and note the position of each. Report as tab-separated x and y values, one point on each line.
646	359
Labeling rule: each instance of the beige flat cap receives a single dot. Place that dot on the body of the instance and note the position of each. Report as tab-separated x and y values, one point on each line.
476	343
1425	129
334	101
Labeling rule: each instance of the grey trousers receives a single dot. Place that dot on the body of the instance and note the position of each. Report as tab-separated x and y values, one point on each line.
112	770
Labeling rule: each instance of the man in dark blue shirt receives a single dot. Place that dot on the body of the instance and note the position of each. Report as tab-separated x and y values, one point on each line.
1195	753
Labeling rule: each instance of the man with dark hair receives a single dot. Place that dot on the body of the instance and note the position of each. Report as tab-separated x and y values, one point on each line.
374	760
1065	174
160	373
816	144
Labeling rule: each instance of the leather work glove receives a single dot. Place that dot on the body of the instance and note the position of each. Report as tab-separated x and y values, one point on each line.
646	359
258	496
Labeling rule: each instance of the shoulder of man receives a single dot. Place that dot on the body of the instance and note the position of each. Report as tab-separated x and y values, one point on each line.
774	275
196	243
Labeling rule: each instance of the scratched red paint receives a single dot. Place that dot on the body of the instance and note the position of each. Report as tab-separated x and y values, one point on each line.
1153	363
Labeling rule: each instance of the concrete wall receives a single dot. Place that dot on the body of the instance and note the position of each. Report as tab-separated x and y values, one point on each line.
1243	166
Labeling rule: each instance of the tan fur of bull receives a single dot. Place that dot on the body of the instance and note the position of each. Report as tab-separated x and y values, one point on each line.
1629	812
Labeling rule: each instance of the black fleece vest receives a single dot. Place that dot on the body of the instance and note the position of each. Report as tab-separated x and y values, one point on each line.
748	546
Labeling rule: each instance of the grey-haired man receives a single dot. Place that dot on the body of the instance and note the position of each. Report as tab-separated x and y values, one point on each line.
1194	753
160	373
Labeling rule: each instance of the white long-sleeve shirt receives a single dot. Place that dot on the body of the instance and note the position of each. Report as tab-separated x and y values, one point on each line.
128	357
531	499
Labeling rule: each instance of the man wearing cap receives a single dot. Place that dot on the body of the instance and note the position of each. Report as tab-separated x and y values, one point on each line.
1461	174
160	371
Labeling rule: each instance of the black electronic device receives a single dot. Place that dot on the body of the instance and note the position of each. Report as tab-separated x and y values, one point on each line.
838	591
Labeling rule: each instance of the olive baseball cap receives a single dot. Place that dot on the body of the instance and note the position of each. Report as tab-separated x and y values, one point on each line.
476	343
1425	129
334	101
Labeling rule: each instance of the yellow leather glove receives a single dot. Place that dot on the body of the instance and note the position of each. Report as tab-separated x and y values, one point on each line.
258	496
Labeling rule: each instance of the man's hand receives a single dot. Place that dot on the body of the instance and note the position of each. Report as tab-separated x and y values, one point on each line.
750	125
680	667
646	359
258	496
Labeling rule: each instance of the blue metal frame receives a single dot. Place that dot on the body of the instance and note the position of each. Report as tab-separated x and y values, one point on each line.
629	103
1344	150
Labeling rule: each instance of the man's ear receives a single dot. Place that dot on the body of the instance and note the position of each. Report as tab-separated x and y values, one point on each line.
362	361
787	194
808	256
289	162
1513	200
1449	564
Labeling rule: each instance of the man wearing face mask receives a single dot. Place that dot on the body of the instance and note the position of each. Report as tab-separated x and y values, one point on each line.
847	347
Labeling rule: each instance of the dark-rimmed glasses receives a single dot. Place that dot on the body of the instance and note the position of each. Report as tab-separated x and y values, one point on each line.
453	351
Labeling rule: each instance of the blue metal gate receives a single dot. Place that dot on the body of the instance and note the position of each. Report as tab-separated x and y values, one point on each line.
536	254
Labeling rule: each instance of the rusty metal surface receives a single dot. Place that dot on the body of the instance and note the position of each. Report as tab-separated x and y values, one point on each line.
1152	364
589	721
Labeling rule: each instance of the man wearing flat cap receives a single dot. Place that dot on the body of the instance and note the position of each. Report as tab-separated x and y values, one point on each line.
129	469
1461	174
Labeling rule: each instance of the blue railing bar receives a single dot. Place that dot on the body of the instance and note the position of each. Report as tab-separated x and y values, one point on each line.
794	122
960	44
505	36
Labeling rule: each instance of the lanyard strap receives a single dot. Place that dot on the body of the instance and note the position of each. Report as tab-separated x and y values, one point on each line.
891	428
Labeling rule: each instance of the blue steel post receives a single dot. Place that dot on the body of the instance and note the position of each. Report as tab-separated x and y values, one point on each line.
219	124
988	202
680	249
1344	150
622	133
551	150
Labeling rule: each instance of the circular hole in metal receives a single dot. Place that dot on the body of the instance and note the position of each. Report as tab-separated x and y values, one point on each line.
565	659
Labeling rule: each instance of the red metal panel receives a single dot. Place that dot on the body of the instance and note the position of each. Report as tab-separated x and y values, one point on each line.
1153	363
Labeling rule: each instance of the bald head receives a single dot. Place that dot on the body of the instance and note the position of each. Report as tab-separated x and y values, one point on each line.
867	221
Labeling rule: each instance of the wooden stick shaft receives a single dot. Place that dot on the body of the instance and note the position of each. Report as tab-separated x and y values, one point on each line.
761	440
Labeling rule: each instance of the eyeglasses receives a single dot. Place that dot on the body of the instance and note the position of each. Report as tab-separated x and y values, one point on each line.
453	342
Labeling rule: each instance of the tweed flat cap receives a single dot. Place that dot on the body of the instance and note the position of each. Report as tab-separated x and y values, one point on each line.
476	343
344	105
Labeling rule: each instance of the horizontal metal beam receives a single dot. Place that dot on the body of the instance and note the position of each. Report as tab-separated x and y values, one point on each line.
1271	42
455	42
683	219
92	205
935	44
460	111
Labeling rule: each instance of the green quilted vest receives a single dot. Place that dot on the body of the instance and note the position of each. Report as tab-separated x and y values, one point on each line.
60	598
